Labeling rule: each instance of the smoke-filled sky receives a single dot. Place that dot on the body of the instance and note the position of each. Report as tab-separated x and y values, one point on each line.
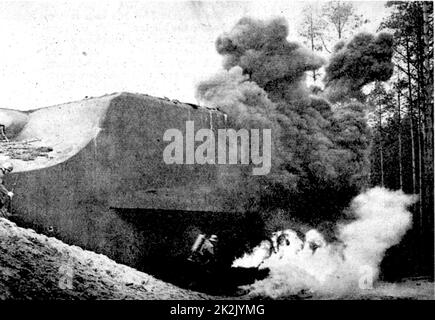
56	51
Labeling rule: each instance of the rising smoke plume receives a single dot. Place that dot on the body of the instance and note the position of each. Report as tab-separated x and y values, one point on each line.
261	49
363	59
246	104
319	155
345	266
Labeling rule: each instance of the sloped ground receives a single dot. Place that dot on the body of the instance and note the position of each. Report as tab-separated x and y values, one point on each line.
33	266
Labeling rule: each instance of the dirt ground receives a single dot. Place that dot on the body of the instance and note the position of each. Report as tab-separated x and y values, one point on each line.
422	289
34	266
408	290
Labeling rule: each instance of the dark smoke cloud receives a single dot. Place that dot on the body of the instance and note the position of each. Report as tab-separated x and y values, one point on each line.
243	100
364	59
320	153
247	106
261	49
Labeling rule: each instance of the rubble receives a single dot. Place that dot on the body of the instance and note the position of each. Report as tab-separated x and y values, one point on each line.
24	150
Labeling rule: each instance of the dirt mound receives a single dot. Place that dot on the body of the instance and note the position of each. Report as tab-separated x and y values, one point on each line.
33	266
63	129
13	121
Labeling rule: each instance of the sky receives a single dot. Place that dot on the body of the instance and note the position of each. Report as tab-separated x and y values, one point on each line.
53	52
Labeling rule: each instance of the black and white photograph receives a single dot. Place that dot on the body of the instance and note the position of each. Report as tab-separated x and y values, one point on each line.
237	151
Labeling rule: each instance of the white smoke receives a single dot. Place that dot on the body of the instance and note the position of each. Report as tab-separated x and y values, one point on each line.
347	265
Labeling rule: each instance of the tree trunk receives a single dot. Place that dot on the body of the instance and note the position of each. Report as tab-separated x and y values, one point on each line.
428	121
381	151
420	171
420	105
399	122
411	117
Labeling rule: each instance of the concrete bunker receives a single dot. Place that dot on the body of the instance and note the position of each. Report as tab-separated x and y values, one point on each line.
104	186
